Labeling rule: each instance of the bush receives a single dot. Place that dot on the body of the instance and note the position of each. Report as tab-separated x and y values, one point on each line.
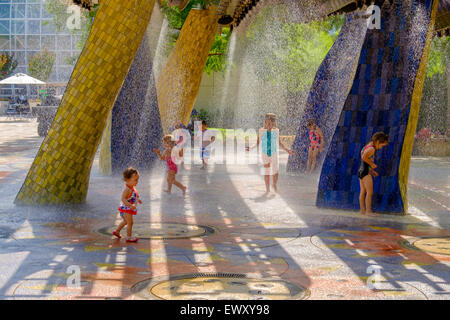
41	66
205	115
7	65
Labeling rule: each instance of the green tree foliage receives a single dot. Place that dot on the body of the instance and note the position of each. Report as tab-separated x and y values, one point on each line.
7	65
58	9
204	115
433	108
41	65
434	104
439	56
290	53
176	18
216	61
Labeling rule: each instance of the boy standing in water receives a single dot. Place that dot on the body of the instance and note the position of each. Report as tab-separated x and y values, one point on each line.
206	137
367	170
315	146
269	137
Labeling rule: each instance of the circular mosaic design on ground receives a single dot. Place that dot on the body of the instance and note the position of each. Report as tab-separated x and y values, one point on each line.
41	285
164	230
434	245
219	287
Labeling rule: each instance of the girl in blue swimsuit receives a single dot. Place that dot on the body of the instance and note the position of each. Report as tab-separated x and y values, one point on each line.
269	137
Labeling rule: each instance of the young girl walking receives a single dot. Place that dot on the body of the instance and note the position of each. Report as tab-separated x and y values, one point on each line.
269	137
315	145
172	168
367	171
127	208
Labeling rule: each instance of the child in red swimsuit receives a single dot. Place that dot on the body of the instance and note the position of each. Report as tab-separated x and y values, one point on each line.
315	146
172	168
127	207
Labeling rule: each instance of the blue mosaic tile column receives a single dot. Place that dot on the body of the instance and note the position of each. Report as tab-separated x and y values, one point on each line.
135	122
329	90
379	100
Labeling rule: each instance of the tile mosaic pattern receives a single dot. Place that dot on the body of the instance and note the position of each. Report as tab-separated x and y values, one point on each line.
104	160
379	100
414	114
326	98
179	82
61	169
135	123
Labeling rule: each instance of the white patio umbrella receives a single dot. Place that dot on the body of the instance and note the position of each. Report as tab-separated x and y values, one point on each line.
21	78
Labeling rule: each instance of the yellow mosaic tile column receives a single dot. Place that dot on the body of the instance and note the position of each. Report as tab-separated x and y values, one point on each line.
60	172
411	128
179	80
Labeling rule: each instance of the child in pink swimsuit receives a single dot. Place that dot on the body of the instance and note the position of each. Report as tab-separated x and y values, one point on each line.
172	168
127	208
315	146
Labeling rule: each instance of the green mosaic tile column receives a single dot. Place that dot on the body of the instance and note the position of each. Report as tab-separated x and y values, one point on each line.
61	169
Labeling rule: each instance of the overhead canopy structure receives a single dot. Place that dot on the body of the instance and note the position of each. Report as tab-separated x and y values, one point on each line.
21	78
239	9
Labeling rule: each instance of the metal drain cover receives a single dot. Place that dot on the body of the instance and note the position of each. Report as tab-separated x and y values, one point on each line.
164	230
220	286
434	245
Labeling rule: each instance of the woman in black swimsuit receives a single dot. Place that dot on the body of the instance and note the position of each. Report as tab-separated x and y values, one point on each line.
367	170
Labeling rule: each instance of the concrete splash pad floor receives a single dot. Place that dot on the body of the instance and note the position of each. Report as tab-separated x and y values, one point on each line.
224	240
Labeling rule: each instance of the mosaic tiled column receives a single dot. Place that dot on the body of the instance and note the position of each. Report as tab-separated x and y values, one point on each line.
330	89
413	118
135	125
104	161
61	169
179	81
385	96
448	101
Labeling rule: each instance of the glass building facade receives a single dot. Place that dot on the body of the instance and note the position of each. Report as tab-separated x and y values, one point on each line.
27	28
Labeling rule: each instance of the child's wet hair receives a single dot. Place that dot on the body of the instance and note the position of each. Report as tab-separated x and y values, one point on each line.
179	125
310	122
380	137
271	116
169	139
204	122
129	172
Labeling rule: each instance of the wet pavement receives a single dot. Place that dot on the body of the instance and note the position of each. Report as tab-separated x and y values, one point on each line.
224	240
